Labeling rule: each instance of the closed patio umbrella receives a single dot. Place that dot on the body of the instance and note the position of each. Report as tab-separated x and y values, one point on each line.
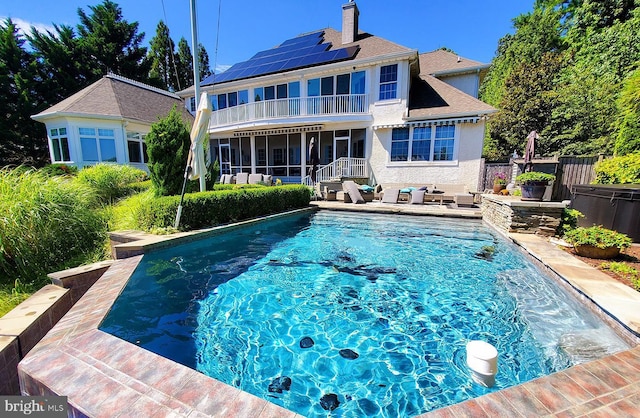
529	151
196	167
314	159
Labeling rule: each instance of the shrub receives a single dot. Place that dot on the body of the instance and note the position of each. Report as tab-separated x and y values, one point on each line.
534	176
59	170
569	220
619	170
212	208
598	237
111	182
47	224
168	147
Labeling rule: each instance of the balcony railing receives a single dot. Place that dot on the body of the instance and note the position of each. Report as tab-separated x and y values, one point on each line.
292	107
341	168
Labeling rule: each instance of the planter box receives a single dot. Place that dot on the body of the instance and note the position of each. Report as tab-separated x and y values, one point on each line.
595	252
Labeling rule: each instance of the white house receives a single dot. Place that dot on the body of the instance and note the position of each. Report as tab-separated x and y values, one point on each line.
378	109
107	122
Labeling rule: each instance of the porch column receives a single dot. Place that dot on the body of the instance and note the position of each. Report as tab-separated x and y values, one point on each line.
303	157
252	141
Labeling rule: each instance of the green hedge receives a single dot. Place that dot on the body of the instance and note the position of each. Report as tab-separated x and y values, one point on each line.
201	210
619	170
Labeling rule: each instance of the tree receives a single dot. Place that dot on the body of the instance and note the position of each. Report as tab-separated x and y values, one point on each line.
111	43
628	123
168	146
22	140
184	64
203	62
161	56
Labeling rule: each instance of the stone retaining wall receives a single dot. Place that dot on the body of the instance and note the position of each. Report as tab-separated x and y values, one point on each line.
510	214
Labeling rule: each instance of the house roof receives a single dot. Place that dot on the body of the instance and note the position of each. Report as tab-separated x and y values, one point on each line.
441	62
430	97
115	97
365	46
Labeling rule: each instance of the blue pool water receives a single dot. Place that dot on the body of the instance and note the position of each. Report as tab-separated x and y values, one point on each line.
368	314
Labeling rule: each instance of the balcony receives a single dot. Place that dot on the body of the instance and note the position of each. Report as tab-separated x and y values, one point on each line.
348	104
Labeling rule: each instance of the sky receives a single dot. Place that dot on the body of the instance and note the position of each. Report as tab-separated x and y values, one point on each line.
234	30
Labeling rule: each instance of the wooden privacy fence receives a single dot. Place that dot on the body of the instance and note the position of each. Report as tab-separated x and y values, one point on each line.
569	171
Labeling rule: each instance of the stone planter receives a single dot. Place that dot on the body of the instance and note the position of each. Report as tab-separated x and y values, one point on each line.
533	190
595	252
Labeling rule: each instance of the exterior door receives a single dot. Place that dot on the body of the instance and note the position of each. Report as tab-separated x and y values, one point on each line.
225	159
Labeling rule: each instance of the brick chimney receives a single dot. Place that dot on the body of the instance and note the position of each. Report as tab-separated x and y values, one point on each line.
350	15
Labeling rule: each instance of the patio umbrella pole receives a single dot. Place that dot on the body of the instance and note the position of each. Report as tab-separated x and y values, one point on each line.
187	170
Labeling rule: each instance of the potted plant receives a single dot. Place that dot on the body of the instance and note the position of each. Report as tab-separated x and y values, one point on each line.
597	242
533	184
499	182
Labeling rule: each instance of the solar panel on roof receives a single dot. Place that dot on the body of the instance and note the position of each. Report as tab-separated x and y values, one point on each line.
302	51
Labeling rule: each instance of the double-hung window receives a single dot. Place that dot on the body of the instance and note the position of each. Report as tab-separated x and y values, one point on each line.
443	144
400	144
389	82
59	144
98	145
419	143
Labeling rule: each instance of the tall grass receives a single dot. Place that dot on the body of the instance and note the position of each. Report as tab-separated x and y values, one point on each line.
46	224
110	182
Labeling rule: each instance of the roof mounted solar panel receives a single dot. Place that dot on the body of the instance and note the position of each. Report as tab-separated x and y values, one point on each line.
299	52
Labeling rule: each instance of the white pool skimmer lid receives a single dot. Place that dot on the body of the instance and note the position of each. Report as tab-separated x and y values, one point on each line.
482	359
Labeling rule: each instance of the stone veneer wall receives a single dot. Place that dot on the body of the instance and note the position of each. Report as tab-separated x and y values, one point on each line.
510	214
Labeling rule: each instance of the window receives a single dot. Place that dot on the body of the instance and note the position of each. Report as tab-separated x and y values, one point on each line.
192	104
233	99
357	82
137	148
59	144
294	89
400	144
421	144
443	144
100	147
313	87
269	93
243	97
414	144
388	82
258	94
222	101
281	91
326	86
342	83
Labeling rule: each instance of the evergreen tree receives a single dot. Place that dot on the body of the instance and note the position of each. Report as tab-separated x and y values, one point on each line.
168	146
184	63
22	140
111	43
161	56
203	62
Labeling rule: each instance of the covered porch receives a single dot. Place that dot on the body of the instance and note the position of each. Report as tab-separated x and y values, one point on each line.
283	152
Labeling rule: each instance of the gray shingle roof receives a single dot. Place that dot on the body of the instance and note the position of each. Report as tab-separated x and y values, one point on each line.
117	97
441	61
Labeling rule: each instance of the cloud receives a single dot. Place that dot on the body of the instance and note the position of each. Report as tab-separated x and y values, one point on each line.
25	27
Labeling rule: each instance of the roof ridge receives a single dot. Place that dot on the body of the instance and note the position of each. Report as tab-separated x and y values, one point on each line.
141	85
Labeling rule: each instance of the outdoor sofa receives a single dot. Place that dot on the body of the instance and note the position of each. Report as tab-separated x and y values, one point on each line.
441	192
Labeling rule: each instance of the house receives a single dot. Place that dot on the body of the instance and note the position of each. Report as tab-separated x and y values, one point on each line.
107	122
375	109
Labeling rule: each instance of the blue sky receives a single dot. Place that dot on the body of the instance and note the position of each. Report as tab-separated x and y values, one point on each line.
471	28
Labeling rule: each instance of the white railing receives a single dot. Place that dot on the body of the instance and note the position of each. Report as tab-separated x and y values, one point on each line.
343	167
297	106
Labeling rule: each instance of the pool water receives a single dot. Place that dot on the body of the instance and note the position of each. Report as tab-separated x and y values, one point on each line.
355	314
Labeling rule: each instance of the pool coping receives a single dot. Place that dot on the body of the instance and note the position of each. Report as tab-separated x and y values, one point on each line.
75	357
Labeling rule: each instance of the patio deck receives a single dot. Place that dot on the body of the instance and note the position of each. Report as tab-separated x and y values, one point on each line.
75	358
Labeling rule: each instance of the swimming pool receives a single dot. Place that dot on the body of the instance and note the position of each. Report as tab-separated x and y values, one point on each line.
373	309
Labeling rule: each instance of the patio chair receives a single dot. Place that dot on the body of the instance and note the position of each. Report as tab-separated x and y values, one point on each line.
242	178
390	196
351	188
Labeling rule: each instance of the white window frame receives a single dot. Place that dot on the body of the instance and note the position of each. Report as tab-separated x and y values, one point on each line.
140	139
59	137
388	83
97	136
431	161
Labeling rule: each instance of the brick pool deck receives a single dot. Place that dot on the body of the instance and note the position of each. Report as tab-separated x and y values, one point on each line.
104	376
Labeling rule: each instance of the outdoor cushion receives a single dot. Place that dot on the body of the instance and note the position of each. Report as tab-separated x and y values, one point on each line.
407	190
352	189
268	179
390	196
417	196
366	188
242	178
255	178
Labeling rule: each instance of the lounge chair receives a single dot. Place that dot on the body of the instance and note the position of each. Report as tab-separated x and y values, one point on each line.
351	188
390	196
463	199
242	178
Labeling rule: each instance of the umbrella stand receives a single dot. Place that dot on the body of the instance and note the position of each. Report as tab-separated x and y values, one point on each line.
187	171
